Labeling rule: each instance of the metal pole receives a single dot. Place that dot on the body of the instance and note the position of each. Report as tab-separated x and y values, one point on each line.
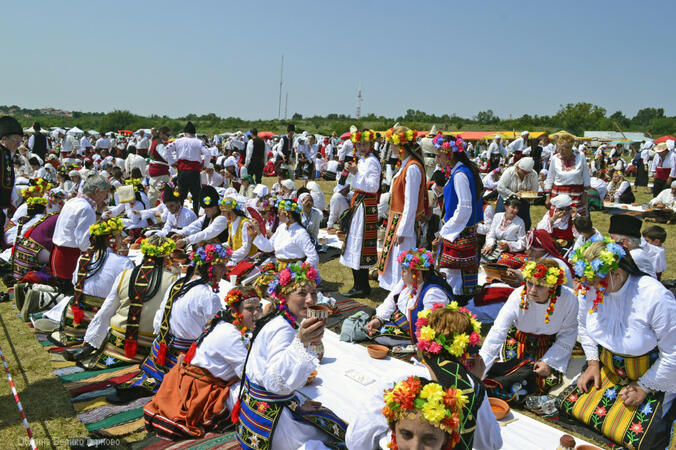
281	79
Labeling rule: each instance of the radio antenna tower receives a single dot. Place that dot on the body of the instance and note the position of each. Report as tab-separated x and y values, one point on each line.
359	100
281	80
286	105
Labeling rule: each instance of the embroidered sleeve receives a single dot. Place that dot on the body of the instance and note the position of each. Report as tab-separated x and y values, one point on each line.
289	365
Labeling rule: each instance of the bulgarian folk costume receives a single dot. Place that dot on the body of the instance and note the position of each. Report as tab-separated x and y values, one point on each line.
561	229
183	314
359	251
291	242
173	221
458	251
400	308
198	396
526	332
663	168
94	275
209	227
158	169
238	231
569	175
629	333
268	412
408	202
121	332
8	126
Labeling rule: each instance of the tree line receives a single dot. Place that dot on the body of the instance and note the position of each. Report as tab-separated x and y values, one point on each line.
573	117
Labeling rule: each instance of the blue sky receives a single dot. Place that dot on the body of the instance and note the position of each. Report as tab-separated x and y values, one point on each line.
177	57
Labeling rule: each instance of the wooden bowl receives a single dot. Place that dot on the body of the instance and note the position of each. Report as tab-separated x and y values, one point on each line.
587	447
377	351
499	407
311	378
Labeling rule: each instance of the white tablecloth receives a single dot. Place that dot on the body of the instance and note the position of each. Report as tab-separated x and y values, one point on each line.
628	207
332	239
342	394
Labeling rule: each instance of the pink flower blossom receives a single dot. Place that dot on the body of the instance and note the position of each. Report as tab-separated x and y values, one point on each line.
474	339
433	347
284	277
437	306
421	322
311	273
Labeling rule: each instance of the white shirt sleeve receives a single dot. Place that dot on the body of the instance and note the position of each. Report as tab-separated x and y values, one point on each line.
454	226
249	152
406	223
302	239
490	349
385	310
212	230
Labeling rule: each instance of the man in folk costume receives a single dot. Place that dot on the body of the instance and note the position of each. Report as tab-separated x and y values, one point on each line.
187	307
11	137
242	232
663	168
210	226
121	332
171	211
360	246
196	396
517	147
94	275
463	210
408	204
158	168
71	234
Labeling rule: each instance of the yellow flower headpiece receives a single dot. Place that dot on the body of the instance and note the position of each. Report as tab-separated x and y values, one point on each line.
366	136
107	227
543	275
136	182
158	251
31	201
401	137
429	341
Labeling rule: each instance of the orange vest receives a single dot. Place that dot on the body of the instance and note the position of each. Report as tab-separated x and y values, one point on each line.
399	190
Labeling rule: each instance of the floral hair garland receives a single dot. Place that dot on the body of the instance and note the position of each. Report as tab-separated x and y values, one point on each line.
288	206
31	201
288	279
136	182
210	254
235	297
552	277
446	146
158	251
266	203
416	259
589	272
431	342
229	204
366	136
37	189
400	138
107	227
442	408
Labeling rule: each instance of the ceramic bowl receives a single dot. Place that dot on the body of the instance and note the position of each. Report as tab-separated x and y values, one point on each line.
499	407
321	312
377	351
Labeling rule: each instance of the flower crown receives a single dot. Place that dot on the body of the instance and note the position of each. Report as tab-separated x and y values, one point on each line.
416	259
32	201
431	342
107	227
266	203
35	189
441	408
366	136
136	182
158	251
447	146
400	138
288	206
56	195
543	275
228	204
588	272
210	254
236	296
291	276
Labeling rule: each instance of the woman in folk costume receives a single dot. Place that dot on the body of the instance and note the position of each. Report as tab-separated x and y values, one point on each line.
135	224
360	245
448	337
540	244
626	325
420	287
281	357
242	232
187	307
507	233
463	210
568	174
267	207
197	396
408	204
558	221
210	227
533	336
121	332
291	242
94	275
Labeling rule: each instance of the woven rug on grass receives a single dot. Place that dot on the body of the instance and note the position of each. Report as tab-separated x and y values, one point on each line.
227	441
344	308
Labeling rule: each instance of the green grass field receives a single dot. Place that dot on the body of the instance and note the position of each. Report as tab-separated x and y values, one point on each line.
47	405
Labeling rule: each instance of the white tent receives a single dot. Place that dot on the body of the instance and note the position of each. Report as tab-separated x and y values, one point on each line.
94	132
75	130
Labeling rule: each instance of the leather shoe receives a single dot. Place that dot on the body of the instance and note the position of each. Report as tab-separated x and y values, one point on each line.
357	293
78	353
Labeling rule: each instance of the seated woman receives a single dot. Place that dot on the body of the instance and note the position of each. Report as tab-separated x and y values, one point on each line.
212	226
121	332
420	288
281	358
198	394
558	221
533	335
94	275
311	217
184	313
449	340
626	325
507	232
134	224
619	189
267	207
240	231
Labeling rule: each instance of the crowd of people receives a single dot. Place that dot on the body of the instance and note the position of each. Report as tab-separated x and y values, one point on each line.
125	242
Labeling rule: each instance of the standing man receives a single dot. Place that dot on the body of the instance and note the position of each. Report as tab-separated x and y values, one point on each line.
103	143
255	156
663	168
38	142
85	143
517	147
69	144
11	137
495	151
188	153
158	168
142	144
286	148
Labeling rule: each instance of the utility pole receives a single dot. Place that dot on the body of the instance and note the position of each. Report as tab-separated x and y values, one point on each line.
286	105
281	80
359	100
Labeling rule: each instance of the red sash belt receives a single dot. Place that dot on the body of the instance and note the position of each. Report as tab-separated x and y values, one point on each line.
662	173
183	164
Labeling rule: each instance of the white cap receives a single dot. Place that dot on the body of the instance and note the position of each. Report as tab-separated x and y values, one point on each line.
524	133
260	190
230	162
673	184
313	186
498	136
289	184
209	165
303	196
74	173
562	201
526	163
670	144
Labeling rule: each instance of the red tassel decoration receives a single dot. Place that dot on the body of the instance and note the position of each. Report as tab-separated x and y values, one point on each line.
78	315
130	347
162	354
234	416
190	353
